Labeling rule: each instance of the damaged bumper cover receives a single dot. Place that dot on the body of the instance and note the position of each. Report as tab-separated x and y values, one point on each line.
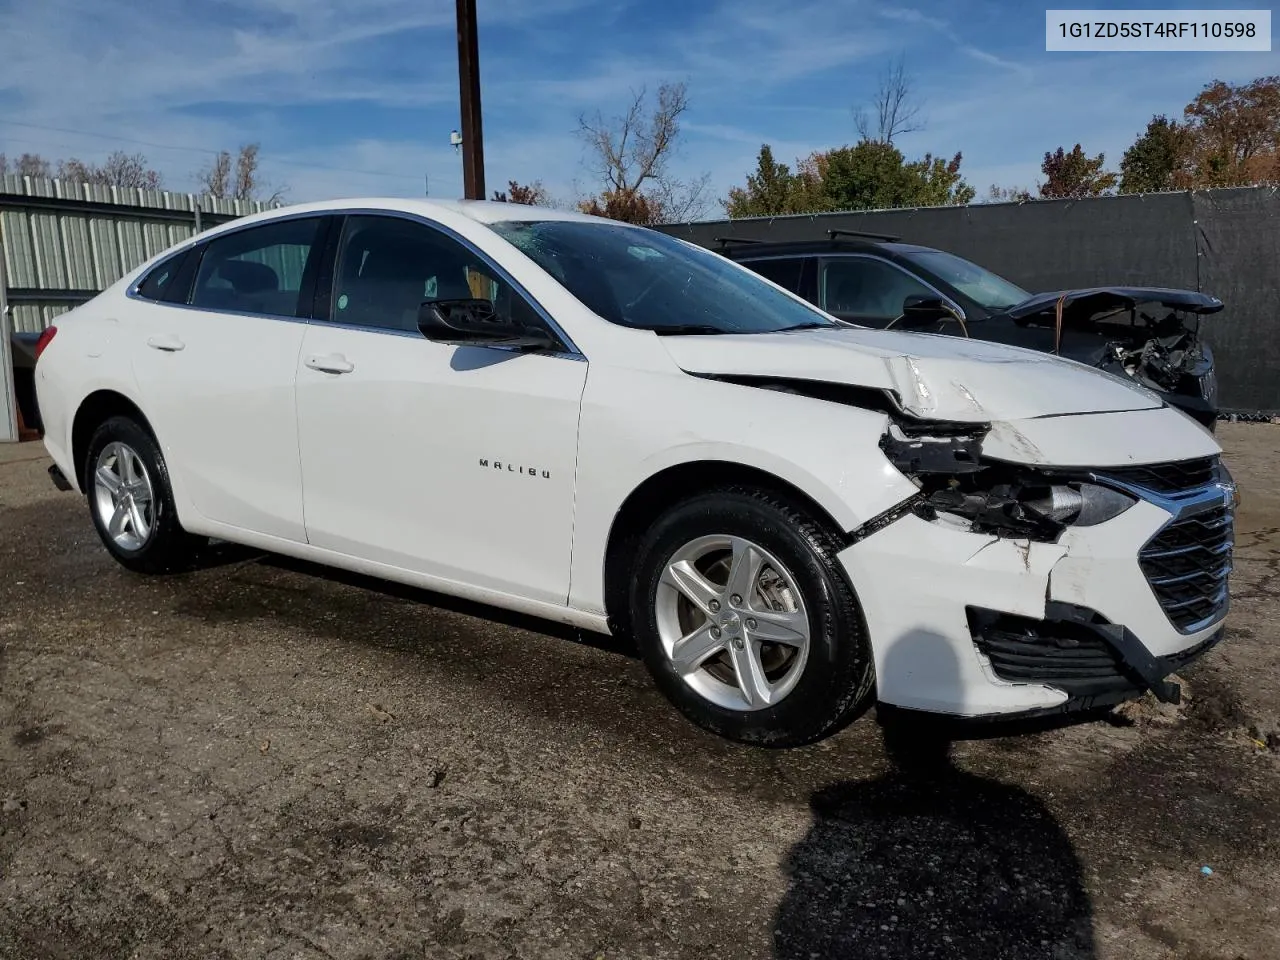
978	615
946	609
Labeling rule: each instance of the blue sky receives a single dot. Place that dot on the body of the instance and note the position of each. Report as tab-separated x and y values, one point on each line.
357	97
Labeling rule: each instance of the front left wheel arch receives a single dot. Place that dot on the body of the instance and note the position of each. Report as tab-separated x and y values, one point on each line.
658	493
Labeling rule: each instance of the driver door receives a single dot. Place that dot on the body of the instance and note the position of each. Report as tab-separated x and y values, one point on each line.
868	291
453	462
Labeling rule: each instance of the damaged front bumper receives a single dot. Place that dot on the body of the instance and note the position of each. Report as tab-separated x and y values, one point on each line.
976	625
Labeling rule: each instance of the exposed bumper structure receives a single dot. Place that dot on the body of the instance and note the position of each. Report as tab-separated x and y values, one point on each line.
977	625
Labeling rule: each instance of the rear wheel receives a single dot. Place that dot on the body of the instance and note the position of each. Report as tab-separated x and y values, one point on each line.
747	622
127	485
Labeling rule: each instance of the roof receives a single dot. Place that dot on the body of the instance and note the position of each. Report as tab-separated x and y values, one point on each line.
481	211
772	248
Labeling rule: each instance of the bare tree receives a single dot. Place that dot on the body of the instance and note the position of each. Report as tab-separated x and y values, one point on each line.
119	170
247	172
894	111
216	178
219	180
26	165
630	157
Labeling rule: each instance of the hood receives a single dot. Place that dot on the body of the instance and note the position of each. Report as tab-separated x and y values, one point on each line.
1083	303
940	377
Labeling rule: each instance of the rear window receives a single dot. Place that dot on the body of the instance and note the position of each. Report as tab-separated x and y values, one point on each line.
160	282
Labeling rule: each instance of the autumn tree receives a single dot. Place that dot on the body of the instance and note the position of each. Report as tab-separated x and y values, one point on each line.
119	170
1073	174
237	178
1236	133
1157	160
894	109
534	194
630	157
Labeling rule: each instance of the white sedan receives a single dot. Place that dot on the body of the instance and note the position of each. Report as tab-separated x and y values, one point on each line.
605	426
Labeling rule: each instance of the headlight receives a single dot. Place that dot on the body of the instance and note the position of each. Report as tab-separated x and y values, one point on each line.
1081	505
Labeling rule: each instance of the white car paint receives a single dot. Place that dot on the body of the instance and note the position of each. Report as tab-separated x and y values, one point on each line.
391	467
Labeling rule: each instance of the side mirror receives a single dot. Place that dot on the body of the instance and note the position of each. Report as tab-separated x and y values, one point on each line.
477	323
923	309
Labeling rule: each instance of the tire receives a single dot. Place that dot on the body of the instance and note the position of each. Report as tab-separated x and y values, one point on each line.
812	687
149	540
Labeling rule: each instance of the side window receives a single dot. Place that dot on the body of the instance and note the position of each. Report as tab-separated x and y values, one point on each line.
785	273
258	270
867	289
158	284
388	267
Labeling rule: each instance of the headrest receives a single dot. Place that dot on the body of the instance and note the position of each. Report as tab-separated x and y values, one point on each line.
247	276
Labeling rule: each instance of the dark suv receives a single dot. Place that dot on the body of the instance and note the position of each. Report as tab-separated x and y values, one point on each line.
1150	334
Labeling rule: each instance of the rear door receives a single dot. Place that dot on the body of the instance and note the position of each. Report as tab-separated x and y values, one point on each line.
216	373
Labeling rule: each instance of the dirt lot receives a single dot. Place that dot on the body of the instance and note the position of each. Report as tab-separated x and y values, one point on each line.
254	761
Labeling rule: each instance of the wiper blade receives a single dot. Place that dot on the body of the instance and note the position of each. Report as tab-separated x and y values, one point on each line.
816	325
687	329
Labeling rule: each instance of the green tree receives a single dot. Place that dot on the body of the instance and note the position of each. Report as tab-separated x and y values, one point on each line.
1158	159
1074	174
870	174
874	174
773	189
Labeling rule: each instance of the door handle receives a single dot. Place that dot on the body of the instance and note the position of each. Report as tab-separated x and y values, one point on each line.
333	363
166	342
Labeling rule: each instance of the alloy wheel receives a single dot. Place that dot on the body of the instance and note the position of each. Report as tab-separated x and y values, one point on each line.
123	496
732	622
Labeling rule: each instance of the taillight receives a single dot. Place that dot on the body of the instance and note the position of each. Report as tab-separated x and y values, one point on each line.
45	339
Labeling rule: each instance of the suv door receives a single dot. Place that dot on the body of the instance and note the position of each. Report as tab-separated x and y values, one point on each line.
451	462
867	290
216	365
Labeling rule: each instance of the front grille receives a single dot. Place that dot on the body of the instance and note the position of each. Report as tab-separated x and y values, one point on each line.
1168	477
1187	564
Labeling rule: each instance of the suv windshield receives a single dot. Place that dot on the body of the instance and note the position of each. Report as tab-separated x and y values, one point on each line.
641	278
978	284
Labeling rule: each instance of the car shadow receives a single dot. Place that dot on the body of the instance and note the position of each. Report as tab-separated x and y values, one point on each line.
931	860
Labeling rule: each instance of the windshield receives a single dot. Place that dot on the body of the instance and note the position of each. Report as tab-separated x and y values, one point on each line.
641	278
978	284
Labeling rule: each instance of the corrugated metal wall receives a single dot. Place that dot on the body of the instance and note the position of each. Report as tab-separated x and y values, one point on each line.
63	242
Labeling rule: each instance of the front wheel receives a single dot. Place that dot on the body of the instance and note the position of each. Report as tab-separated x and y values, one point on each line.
127	484
746	621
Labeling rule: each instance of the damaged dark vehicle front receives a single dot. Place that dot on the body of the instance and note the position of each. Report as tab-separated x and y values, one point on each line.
1148	334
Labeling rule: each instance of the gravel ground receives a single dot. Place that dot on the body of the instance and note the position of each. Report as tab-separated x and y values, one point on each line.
255	760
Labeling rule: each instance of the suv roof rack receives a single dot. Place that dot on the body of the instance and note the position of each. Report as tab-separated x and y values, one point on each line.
863	235
725	241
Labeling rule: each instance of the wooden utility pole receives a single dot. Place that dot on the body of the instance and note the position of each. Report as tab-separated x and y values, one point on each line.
469	86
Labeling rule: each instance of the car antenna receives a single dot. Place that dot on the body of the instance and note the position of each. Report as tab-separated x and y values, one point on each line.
859	233
725	241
